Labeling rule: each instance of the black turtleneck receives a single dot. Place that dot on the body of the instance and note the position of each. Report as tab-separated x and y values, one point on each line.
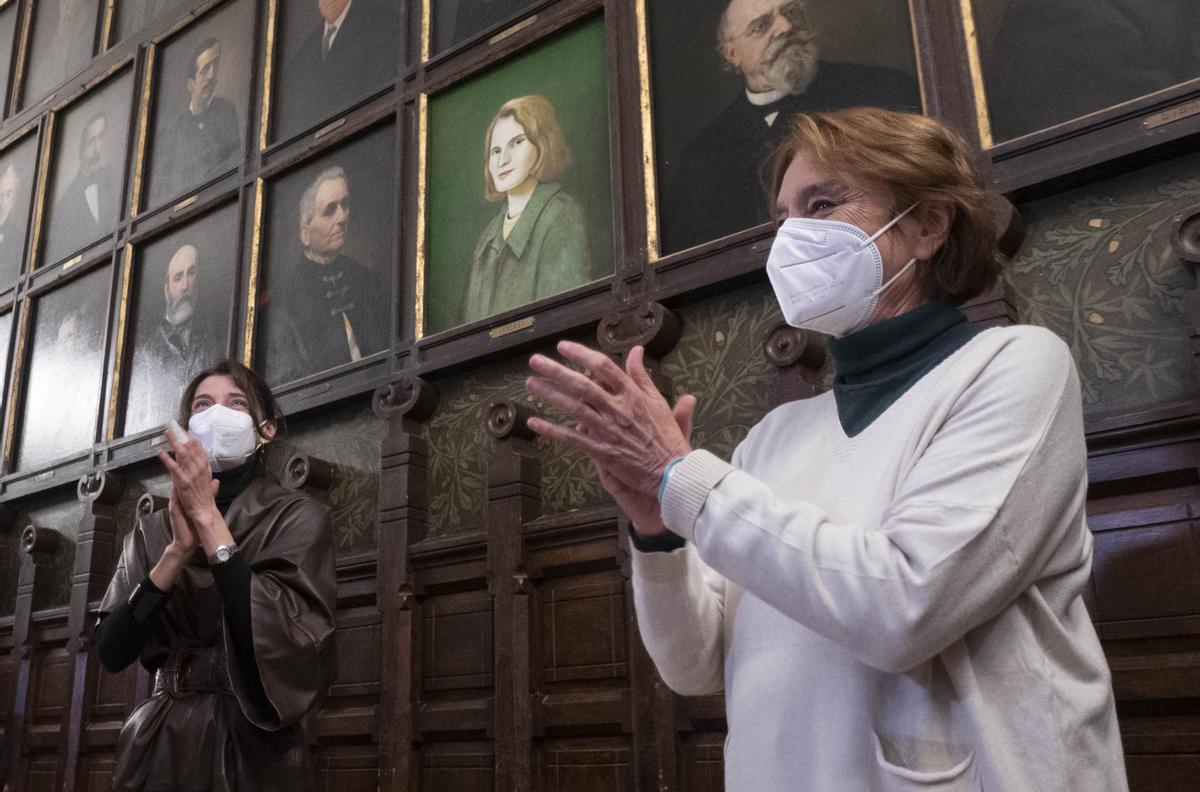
874	367
877	365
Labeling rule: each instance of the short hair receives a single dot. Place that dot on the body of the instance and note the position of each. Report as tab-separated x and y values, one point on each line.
201	48
261	401
914	160
308	200
99	115
536	115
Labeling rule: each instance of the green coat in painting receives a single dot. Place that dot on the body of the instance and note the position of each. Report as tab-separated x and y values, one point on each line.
546	253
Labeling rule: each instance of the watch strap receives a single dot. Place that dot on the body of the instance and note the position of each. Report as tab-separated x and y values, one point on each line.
228	550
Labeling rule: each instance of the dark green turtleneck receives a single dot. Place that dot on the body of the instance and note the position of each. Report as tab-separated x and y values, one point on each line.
877	365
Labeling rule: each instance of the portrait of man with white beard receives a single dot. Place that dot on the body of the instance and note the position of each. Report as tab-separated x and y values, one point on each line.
714	187
176	335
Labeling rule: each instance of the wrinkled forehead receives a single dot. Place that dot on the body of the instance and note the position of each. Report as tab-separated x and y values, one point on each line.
331	191
742	12
184	258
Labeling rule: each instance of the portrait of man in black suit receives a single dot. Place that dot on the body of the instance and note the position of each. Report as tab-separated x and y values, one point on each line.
90	204
346	48
329	309
715	189
204	138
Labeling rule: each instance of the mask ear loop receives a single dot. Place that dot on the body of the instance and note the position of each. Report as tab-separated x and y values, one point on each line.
890	223
892	279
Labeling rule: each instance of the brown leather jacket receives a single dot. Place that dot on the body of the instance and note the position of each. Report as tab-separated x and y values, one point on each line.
201	729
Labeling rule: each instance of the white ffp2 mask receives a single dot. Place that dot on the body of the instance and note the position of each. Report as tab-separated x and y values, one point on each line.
228	436
828	275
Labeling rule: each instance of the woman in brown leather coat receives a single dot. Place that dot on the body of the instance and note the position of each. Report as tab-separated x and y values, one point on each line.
228	597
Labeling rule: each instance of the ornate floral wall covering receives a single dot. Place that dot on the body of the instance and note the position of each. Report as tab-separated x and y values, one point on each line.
348	435
1097	268
719	359
460	448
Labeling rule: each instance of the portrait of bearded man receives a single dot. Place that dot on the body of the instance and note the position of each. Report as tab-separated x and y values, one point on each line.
180	343
715	188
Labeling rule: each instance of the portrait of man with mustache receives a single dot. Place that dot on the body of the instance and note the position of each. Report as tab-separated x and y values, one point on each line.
204	138
715	189
181	343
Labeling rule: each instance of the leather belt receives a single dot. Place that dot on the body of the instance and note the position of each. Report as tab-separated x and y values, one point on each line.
191	671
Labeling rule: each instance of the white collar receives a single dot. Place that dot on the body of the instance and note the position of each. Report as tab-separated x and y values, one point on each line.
337	23
759	99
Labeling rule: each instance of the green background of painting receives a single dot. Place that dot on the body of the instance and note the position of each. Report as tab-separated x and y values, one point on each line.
569	70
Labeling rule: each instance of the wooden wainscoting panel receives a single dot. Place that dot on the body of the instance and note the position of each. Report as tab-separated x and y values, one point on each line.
462	767
585	765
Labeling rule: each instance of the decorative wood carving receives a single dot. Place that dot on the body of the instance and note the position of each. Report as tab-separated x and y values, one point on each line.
95	551
307	472
799	355
34	590
409	396
514	500
149	503
1186	242
403	521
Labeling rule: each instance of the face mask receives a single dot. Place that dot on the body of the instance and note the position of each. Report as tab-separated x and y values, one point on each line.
227	436
827	275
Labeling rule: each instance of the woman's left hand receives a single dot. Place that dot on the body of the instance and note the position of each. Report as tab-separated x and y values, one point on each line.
192	484
621	420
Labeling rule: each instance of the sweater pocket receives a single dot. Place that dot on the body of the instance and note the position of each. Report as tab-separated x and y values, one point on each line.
950	768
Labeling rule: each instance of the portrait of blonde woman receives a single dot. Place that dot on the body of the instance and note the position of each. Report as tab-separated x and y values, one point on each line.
536	245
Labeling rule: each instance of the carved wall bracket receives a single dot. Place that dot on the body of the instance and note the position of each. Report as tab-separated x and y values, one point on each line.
307	472
408	397
799	355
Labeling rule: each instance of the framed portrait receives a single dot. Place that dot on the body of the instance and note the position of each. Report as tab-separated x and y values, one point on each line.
130	16
8	31
1045	62
65	370
330	54
60	44
202	98
88	169
18	169
326	293
726	75
455	21
181	311
520	186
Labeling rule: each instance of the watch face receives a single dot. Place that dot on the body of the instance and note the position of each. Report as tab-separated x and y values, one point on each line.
223	554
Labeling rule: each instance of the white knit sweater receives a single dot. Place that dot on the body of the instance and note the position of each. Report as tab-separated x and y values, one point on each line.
899	610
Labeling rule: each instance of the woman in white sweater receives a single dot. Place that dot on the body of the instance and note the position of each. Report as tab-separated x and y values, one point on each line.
886	579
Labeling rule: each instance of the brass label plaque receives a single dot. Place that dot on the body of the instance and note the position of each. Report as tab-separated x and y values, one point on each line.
331	126
1177	113
511	327
185	203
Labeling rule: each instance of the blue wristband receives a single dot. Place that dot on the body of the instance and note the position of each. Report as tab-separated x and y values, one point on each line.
662	485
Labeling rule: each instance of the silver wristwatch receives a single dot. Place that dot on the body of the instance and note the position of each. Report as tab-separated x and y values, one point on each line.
222	554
